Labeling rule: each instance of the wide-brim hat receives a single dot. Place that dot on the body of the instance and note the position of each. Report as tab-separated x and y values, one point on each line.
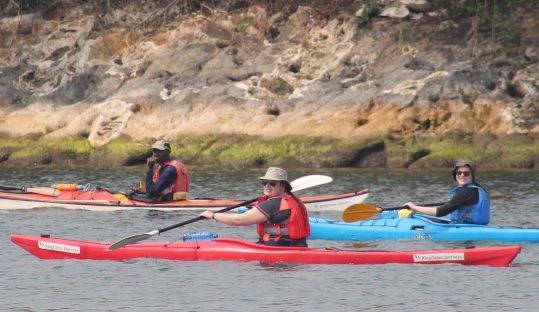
161	145
275	174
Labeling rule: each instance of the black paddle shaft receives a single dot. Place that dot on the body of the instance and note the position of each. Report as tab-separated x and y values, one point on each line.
200	218
404	207
13	188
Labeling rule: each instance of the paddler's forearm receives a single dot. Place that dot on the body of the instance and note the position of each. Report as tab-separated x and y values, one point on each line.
432	211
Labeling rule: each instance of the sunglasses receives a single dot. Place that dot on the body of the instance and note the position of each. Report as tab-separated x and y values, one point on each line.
272	183
463	173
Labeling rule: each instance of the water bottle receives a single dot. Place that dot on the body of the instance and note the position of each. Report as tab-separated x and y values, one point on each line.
199	236
242	209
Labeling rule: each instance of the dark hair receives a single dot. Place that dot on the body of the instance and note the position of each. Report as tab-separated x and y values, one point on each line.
287	187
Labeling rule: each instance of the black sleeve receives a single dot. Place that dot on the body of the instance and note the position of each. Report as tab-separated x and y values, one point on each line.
464	197
271	207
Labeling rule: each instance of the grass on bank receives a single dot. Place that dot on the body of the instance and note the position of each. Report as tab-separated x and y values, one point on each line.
497	152
243	151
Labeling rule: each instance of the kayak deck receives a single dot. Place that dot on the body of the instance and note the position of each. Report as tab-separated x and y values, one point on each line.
417	228
102	200
225	249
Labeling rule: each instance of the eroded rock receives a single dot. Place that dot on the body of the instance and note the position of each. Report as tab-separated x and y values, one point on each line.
291	72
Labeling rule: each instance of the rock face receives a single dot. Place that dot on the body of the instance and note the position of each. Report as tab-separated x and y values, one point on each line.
159	69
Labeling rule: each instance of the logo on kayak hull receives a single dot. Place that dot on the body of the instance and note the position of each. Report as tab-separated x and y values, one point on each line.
434	257
59	247
423	236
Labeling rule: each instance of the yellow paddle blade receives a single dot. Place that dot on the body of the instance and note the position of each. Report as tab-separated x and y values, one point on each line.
358	212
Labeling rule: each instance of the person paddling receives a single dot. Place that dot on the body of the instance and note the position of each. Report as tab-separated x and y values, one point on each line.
166	179
280	216
469	201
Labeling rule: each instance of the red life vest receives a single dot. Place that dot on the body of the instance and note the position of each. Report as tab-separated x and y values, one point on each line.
296	226
181	186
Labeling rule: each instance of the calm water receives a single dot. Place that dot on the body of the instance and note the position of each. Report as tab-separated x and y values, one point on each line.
28	284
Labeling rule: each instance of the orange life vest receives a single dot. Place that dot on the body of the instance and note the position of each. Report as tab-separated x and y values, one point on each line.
181	187
296	226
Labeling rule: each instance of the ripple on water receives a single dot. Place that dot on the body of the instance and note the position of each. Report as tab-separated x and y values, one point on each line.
146	285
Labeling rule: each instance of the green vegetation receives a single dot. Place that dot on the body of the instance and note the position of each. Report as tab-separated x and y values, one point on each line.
241	27
17	7
511	151
371	8
243	151
497	18
247	151
123	150
42	151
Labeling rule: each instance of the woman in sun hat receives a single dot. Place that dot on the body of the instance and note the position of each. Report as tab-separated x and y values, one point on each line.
469	201
280	217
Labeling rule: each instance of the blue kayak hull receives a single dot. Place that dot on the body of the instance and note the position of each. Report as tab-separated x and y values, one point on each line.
417	228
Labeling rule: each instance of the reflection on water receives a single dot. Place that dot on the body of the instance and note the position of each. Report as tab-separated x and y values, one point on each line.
29	284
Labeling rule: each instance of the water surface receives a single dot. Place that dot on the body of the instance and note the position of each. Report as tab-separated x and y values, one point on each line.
29	284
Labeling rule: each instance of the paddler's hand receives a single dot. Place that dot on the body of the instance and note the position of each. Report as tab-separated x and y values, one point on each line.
208	214
410	205
150	162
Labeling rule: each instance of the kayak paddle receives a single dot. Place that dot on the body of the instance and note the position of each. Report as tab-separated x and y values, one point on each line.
49	191
297	185
363	211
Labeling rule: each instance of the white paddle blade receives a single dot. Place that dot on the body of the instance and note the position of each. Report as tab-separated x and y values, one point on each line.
309	181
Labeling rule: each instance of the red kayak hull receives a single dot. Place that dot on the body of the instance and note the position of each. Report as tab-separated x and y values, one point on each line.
223	249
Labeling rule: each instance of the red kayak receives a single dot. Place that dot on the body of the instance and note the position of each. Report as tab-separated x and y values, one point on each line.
45	247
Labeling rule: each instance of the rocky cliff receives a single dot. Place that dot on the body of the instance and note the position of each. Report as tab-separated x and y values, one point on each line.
388	83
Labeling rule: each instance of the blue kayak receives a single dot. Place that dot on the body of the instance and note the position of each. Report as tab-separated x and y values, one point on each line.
418	227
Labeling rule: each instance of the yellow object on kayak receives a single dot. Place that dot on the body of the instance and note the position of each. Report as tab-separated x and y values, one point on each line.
179	196
406	213
123	198
142	186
